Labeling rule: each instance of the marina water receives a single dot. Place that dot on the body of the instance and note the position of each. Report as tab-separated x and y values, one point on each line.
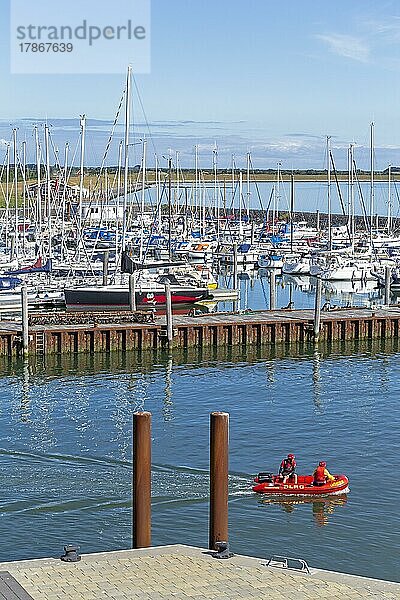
65	427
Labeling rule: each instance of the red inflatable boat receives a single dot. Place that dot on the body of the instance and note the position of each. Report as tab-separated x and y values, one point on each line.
267	483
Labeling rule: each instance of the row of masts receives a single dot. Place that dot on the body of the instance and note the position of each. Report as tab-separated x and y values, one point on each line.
58	214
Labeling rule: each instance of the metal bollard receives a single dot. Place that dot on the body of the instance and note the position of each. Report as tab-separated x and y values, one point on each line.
71	553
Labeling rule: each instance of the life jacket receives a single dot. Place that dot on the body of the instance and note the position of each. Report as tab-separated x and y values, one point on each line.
288	465
319	474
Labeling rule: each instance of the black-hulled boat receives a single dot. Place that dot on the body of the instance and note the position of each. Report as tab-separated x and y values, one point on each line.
116	297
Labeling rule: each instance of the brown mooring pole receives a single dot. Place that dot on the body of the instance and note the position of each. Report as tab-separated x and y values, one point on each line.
219	450
317	309
141	488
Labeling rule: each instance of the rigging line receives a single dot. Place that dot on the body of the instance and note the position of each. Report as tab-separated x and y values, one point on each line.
364	209
256	186
110	138
398	198
266	212
144	114
340	195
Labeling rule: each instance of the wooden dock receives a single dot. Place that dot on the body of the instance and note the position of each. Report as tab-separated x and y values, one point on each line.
60	333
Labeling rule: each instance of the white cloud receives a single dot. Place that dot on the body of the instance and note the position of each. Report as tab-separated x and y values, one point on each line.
346	45
388	30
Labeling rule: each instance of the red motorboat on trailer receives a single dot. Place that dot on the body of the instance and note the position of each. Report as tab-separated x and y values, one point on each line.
268	483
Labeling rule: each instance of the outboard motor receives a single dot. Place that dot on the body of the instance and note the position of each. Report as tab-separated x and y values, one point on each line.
265	478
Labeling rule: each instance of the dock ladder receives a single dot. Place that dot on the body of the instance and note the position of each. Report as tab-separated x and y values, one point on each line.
40	343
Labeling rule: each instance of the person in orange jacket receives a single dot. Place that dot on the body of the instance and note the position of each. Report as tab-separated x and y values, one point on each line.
322	475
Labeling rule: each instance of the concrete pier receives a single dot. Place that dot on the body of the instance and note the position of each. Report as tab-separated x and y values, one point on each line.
185	572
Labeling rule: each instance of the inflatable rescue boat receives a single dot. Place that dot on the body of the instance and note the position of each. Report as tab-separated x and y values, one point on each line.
268	483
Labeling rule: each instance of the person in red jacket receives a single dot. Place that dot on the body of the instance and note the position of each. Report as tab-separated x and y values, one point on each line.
322	475
288	468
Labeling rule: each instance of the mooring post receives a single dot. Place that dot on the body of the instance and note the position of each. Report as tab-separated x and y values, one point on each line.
106	257
272	290
219	451
317	309
236	303
388	277
25	318
132	292
235	267
168	302
141	484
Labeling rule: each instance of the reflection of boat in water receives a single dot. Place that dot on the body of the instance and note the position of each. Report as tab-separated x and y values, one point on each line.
346	291
271	261
297	266
300	282
322	508
267	483
350	287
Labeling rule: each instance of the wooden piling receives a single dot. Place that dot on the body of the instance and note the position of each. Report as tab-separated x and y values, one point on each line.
141	484
132	292
106	257
168	302
272	290
388	277
25	318
317	309
219	451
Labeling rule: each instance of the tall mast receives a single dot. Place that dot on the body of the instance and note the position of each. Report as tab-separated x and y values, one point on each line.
24	215
240	203
328	151
196	181
120	147
216	192
64	198
389	210
248	184
39	191
7	192
233	183
169	208
48	187
142	202
158	194
177	183
351	203
126	154
80	212
291	210
15	191
371	208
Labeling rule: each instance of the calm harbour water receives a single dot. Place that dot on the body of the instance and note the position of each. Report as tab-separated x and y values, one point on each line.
65	441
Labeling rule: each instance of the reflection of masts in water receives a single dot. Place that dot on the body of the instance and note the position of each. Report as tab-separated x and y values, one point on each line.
270	366
316	377
24	408
385	373
168	403
246	294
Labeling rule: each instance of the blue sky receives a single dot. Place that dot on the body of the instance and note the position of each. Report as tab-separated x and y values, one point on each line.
261	76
